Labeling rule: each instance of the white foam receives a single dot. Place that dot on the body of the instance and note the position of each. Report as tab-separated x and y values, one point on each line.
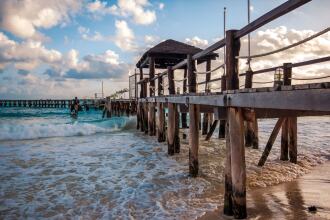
42	130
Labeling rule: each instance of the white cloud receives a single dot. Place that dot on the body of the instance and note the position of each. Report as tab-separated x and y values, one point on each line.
25	18
135	9
124	37
276	38
26	55
197	42
151	40
85	34
161	6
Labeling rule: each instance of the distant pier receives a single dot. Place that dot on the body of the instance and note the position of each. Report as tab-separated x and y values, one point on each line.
48	103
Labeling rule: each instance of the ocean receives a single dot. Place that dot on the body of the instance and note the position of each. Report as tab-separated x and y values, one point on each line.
56	167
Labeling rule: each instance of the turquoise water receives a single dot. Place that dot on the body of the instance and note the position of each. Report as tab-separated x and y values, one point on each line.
56	167
52	166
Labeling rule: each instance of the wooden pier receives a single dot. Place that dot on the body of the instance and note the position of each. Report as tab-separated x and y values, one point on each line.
235	109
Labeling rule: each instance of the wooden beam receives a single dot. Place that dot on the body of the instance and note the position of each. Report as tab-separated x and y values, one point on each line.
211	131
296	99
270	142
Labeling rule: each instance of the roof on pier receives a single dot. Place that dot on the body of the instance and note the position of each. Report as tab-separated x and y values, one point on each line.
169	53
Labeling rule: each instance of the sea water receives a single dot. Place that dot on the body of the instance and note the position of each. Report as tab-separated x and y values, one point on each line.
55	167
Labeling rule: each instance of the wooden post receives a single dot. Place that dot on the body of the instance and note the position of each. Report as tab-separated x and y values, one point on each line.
173	140
139	113
287	73
206	116
222	124
152	113
251	131
293	139
145	110
236	167
194	116
285	140
160	114
184	115
228	203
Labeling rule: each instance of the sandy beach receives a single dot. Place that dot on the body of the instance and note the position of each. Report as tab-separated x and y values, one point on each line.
289	200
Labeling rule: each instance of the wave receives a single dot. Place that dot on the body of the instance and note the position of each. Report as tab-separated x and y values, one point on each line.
11	131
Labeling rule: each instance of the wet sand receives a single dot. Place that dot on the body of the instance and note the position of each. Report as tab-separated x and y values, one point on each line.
288	200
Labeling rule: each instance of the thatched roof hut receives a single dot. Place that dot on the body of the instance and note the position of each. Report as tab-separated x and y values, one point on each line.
169	53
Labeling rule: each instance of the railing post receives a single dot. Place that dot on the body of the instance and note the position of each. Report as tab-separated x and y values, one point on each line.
152	113
235	187
194	115
251	131
173	140
207	116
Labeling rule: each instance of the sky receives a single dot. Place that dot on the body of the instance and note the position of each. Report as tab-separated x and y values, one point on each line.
66	48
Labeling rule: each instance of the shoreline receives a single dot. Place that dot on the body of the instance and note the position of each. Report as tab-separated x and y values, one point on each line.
288	200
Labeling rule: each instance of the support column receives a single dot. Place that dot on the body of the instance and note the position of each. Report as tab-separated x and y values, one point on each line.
140	112
152	112
173	140
145	110
194	115
160	113
236	137
287	74
293	139
238	169
251	129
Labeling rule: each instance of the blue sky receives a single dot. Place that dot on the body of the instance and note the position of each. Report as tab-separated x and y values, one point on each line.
64	48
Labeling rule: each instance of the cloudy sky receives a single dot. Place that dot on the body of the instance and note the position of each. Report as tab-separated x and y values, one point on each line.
66	48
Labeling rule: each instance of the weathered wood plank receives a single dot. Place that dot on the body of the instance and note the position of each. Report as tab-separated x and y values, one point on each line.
270	142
